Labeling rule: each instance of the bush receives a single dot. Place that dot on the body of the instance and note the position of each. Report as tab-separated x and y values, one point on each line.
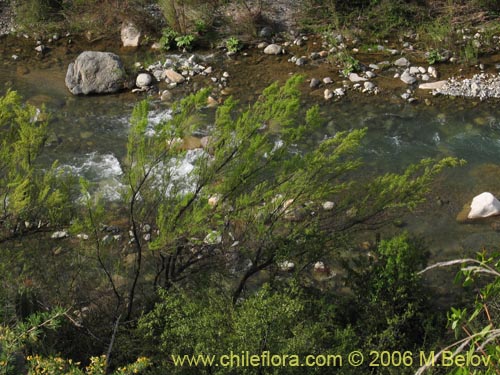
31	12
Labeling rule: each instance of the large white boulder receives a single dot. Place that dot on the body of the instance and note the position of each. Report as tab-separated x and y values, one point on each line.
484	205
95	73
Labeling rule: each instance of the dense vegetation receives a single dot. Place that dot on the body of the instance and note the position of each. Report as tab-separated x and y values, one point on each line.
207	21
258	250
205	266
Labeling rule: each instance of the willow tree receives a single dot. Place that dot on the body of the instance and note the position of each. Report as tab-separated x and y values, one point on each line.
255	196
31	196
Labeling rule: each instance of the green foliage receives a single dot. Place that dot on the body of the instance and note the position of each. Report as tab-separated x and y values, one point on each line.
347	63
208	323
168	37
27	192
233	44
438	33
392	304
200	26
469	53
14	338
184	42
476	325
185	16
433	57
385	16
31	12
97	366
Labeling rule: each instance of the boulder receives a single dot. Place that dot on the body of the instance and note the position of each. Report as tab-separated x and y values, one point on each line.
95	73
130	35
484	205
273	49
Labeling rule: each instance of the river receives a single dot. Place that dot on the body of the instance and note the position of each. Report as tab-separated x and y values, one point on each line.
88	136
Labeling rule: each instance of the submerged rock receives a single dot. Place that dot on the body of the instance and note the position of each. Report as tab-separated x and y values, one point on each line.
95	73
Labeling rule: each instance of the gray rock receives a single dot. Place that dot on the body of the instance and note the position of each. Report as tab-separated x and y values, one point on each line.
130	34
173	76
327	80
425	77
402	62
166	96
95	73
339	91
328	94
369	86
286	266
314	83
354	77
143	80
374	66
432	85
266	32
407	78
370	74
262	45
432	71
301	61
59	234
414	70
314	55
273	49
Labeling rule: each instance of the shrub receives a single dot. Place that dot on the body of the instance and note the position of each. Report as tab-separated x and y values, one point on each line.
185	42
233	44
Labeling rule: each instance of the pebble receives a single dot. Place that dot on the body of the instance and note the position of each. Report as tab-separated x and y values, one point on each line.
328	94
414	70
368	86
327	80
301	61
354	77
166	96
407	78
370	74
314	83
402	62
339	91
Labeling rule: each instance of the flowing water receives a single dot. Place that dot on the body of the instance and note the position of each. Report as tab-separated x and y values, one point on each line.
88	136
